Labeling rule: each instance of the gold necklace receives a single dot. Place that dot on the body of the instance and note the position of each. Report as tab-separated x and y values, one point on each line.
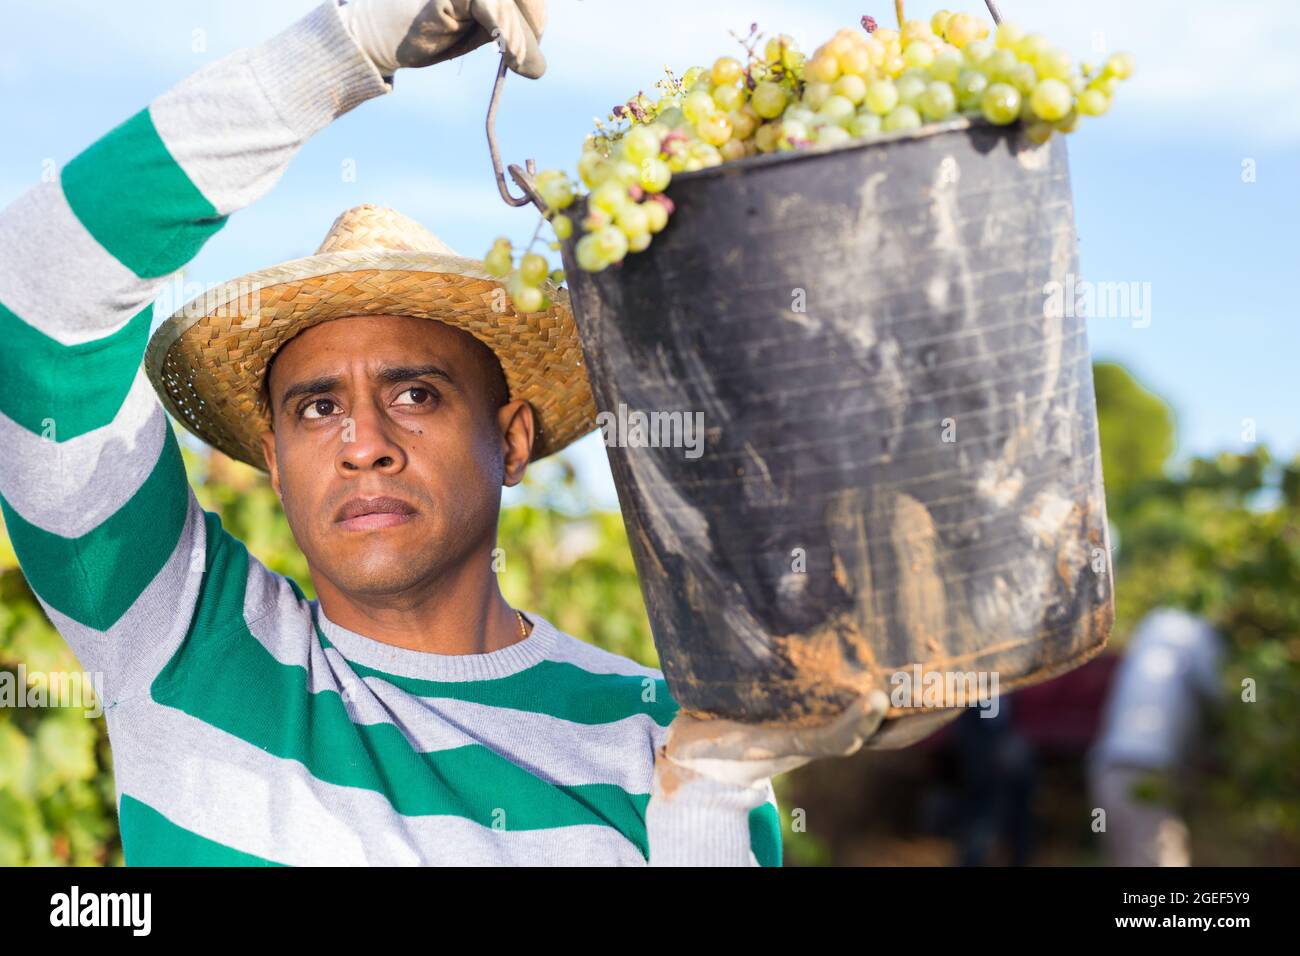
523	632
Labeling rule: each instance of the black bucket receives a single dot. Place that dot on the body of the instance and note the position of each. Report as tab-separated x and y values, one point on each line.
899	471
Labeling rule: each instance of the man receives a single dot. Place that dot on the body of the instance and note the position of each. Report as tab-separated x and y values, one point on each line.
1164	691
409	714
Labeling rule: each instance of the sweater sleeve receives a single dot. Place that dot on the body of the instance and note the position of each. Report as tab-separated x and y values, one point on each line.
692	820
93	490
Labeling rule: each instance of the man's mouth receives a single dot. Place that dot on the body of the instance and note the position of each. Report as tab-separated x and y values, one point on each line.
369	514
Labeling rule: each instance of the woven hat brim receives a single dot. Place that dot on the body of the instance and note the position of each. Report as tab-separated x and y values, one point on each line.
207	360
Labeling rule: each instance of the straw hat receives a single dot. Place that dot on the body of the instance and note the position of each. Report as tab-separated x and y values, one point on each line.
207	360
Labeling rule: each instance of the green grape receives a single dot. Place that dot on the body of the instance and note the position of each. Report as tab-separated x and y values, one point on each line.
1001	104
672	117
977	51
728	98
1028	47
612	243
610	197
919	56
655	175
656	214
969	88
640	144
726	70
596	220
837	110
939	22
914	31
498	262
1023	77
961	29
851	87
714	129
526	296
555	189
588	254
1009	36
1105	84
947	66
705	154
1093	103
1077	84
533	269
792	130
815	95
1120	66
938	101
865	124
698	105
732	149
824	68
909	89
588	166
691	78
1068	123
999	65
557	277
639	242
882	97
563	227
830	134
743	124
1039	132
1051	100
769	99
903	117
632	220
802	114
1053	64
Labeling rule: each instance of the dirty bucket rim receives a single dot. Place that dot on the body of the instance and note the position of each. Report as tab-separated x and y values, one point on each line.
958	125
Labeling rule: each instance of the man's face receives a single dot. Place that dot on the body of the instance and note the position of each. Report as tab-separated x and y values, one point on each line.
391	407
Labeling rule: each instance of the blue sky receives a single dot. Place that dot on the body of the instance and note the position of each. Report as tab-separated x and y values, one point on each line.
1158	183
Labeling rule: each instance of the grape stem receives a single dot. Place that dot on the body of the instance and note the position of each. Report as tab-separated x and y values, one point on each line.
536	233
993	12
898	9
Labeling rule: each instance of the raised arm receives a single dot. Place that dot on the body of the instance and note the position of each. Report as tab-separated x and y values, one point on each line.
92	486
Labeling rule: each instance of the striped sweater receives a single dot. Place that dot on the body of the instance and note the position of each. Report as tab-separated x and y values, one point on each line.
246	727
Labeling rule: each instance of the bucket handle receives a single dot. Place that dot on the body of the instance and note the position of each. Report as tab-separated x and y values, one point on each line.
524	178
520	176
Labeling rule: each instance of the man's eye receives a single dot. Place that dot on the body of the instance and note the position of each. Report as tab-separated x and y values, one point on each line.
315	406
420	396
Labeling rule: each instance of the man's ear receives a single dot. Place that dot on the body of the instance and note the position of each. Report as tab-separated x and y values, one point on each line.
268	452
515	420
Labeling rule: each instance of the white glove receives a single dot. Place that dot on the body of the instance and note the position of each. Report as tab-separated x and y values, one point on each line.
398	33
746	755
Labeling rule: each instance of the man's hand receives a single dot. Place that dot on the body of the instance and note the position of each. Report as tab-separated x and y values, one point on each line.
747	754
398	33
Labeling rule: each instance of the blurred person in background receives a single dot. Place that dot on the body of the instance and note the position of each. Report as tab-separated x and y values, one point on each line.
1153	724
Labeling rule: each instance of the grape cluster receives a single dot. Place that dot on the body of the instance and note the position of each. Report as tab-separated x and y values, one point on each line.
858	85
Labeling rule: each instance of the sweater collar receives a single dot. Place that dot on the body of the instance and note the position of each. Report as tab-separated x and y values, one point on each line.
426	665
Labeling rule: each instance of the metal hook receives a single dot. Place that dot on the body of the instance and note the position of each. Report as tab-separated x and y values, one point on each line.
524	179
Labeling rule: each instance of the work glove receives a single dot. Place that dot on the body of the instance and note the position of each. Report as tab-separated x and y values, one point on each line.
398	33
746	755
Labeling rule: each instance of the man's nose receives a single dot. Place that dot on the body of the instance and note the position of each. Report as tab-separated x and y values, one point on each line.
370	442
